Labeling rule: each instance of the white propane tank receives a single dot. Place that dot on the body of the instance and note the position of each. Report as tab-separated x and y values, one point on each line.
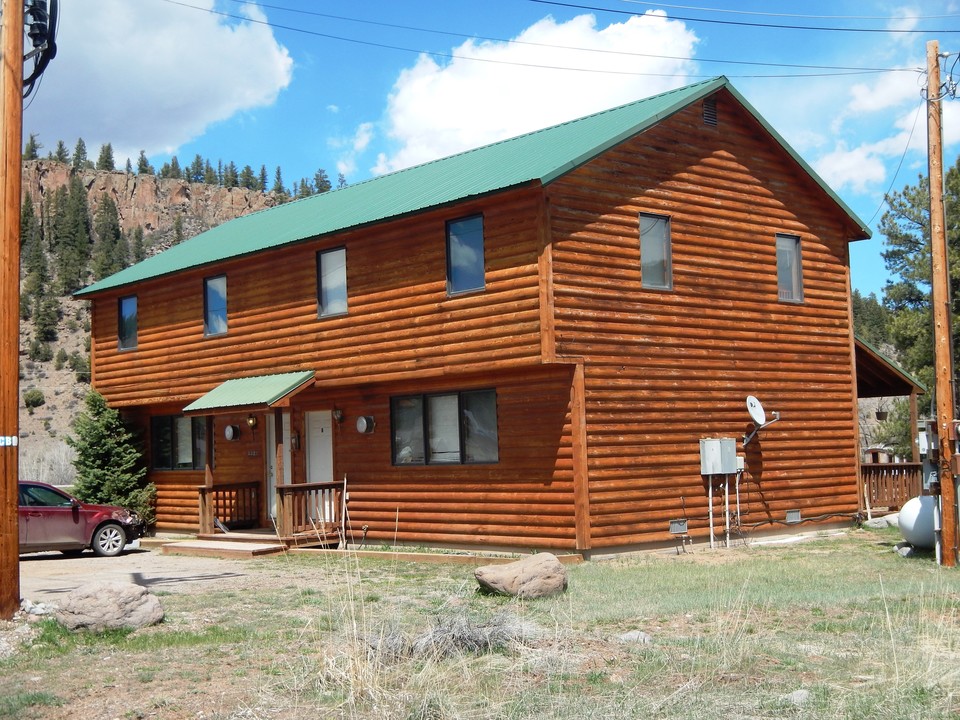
916	521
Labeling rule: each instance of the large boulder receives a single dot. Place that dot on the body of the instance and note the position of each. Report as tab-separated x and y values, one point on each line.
535	576
102	606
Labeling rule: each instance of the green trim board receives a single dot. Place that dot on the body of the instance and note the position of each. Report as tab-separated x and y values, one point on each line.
258	391
537	157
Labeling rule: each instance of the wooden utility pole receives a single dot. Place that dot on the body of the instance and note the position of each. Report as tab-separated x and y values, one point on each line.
11	135
940	299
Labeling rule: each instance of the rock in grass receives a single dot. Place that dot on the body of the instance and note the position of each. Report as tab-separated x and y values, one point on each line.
102	606
635	637
797	698
535	576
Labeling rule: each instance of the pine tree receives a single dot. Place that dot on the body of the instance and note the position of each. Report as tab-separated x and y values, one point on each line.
46	315
128	169
72	241
178	229
341	181
230	175
263	178
36	273
278	190
321	182
80	161
61	154
109	463
906	227
143	165
109	251
194	173
137	251
210	175
105	161
247	179
32	149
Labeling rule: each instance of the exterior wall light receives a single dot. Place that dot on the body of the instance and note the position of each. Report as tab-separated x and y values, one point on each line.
365	424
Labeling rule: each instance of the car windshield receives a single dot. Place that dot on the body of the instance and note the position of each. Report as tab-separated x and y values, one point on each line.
37	496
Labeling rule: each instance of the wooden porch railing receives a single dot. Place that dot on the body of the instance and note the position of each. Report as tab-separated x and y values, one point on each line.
309	508
890	485
236	505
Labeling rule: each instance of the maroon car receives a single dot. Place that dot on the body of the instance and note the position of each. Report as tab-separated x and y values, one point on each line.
50	519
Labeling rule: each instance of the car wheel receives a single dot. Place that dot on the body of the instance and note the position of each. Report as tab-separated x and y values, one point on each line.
109	540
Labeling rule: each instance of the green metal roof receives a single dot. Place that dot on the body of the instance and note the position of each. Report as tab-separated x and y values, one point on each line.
250	391
540	156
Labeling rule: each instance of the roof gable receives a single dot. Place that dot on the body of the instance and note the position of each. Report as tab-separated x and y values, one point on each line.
538	157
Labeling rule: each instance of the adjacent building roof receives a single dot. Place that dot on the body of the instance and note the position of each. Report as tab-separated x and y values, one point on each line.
259	392
537	157
879	376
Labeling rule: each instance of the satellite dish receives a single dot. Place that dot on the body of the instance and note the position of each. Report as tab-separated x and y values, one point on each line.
756	410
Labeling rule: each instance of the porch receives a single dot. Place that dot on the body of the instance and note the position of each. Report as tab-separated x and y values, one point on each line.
307	514
886	486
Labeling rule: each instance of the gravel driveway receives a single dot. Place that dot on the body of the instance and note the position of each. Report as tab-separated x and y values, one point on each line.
44	577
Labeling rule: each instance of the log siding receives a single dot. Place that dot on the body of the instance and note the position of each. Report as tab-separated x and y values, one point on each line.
604	388
664	368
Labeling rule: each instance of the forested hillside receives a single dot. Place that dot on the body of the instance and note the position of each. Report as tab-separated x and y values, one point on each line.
82	221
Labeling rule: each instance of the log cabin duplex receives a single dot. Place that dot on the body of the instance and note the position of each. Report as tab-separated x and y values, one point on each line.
520	346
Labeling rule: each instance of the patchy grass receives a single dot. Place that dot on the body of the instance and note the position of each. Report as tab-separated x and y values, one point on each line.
826	629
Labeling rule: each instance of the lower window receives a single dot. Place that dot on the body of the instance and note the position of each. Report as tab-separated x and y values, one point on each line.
448	428
178	443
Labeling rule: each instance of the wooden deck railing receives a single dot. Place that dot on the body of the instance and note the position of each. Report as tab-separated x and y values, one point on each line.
236	505
309	508
890	485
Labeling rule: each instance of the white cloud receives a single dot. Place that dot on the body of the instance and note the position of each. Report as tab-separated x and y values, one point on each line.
159	76
494	90
856	169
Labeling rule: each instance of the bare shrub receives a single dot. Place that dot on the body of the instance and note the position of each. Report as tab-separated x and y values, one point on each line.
50	462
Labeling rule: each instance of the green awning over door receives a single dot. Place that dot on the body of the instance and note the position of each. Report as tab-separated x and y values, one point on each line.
260	392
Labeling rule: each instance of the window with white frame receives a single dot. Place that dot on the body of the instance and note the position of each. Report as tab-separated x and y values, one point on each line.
655	262
332	282
445	428
789	268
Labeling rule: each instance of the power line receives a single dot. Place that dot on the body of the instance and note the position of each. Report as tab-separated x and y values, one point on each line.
832	70
741	23
906	149
886	18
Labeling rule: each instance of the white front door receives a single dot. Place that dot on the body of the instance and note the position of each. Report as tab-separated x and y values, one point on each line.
272	460
319	431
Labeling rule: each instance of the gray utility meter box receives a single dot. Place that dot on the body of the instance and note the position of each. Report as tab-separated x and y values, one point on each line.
718	456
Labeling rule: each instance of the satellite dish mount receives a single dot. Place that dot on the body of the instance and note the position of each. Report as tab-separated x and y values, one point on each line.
759	418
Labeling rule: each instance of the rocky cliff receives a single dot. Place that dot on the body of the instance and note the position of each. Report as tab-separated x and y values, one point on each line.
157	205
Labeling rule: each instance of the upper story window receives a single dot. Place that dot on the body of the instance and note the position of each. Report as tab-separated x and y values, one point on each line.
789	268
127	322
465	262
332	282
215	305
655	263
178	442
449	428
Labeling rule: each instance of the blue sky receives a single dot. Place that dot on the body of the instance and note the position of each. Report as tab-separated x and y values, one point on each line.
368	87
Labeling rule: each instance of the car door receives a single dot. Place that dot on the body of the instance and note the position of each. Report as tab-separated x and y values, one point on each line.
51	519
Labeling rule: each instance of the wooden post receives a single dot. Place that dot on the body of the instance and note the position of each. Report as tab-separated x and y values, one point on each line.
940	300
11	136
578	428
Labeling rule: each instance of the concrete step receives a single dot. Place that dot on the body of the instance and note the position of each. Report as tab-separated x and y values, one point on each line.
222	549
